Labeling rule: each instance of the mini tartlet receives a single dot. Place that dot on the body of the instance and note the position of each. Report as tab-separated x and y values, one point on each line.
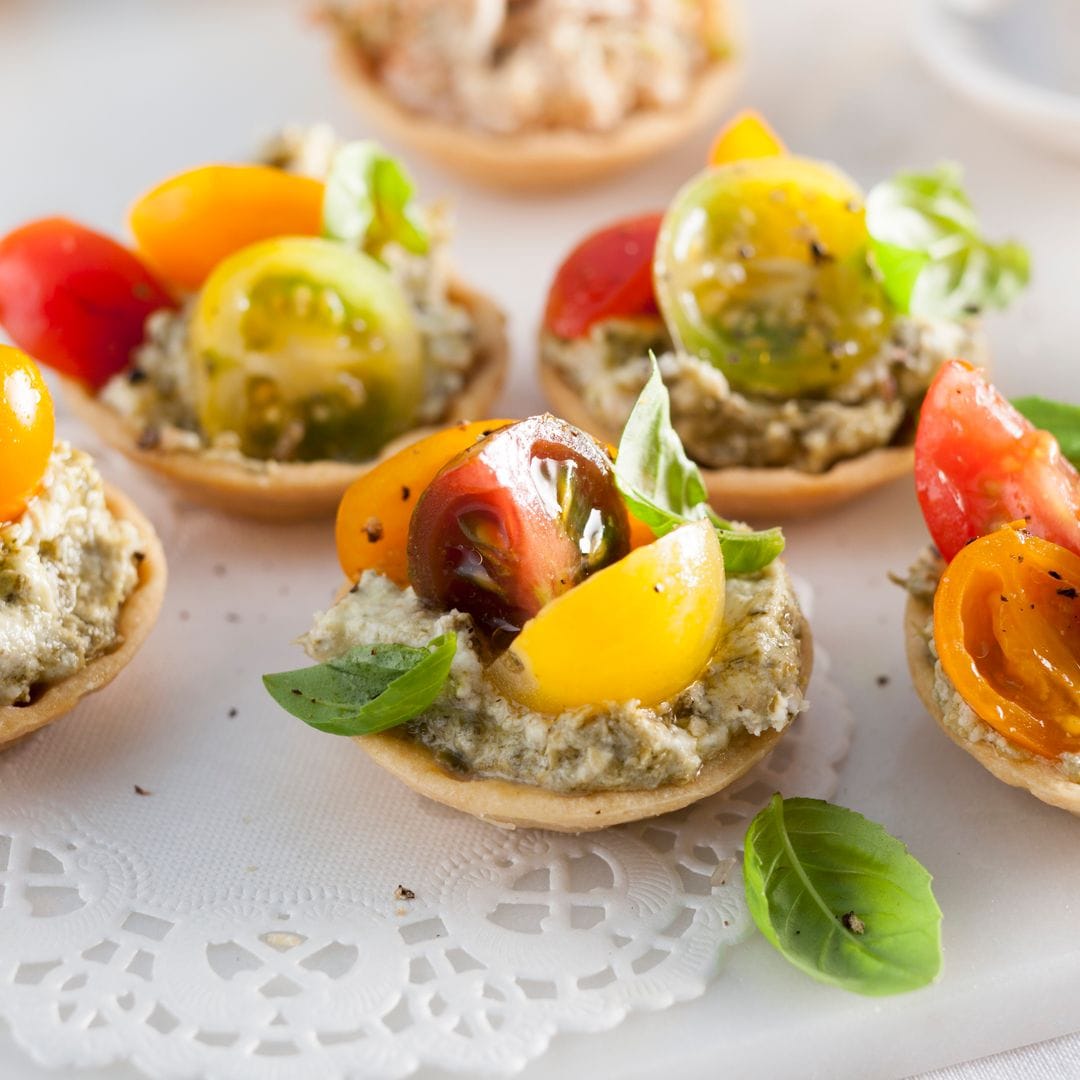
992	624
281	328
797	330
498	100
515	644
82	574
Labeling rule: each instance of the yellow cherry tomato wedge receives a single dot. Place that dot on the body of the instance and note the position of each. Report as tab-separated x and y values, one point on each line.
372	528
746	135
189	223
762	269
26	431
1007	630
643	628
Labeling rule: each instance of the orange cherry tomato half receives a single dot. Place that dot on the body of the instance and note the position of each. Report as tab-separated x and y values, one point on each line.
26	431
74	299
1007	630
609	274
372	529
189	223
746	135
979	464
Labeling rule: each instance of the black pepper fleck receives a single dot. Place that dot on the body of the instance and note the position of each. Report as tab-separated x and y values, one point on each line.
142	791
1069	593
373	530
882	680
405	492
1054	574
852	922
233	712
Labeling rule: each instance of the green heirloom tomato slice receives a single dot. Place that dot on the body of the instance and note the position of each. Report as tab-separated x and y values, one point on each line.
761	268
306	349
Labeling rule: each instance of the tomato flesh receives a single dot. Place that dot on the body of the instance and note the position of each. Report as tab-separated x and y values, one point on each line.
26	431
762	269
308	350
1007	631
514	521
609	274
979	464
74	299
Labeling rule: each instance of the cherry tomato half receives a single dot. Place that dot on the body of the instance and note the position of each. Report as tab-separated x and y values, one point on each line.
762	269
26	431
75	299
979	464
372	527
189	223
1007	631
607	275
514	521
307	349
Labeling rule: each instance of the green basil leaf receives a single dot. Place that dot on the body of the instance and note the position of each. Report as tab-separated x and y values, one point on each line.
664	488
930	252
368	201
1061	420
369	689
841	898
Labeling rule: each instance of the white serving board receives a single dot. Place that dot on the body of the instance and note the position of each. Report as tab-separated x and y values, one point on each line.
97	101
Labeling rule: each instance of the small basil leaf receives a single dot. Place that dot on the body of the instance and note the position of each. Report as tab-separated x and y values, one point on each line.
662	487
1061	420
930	252
368	201
841	898
369	689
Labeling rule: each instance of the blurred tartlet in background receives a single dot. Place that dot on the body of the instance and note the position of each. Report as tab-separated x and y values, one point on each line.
536	94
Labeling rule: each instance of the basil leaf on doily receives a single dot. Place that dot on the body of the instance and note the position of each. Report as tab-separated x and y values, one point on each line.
840	898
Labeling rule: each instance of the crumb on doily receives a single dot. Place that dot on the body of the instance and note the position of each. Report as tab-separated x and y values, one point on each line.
401	893
142	791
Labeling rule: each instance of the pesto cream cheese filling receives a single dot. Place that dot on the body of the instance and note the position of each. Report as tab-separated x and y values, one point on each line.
156	394
721	427
66	567
751	685
957	715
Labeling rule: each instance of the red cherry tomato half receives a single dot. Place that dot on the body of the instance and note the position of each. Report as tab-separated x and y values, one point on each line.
608	274
517	519
979	464
74	299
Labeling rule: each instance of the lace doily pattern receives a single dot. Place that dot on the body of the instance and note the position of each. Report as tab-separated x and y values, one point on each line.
506	942
194	883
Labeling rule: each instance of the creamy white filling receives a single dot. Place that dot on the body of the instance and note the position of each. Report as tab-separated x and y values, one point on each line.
751	685
66	567
721	427
535	64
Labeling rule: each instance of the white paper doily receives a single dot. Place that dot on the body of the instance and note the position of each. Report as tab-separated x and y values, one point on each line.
244	917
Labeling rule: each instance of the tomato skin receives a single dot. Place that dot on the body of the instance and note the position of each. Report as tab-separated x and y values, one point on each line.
372	527
607	275
979	464
1007	632
514	521
75	299
26	431
192	221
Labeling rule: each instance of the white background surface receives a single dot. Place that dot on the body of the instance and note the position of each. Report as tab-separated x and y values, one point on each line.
99	100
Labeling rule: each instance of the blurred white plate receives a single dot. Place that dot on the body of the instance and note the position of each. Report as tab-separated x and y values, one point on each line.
1017	59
